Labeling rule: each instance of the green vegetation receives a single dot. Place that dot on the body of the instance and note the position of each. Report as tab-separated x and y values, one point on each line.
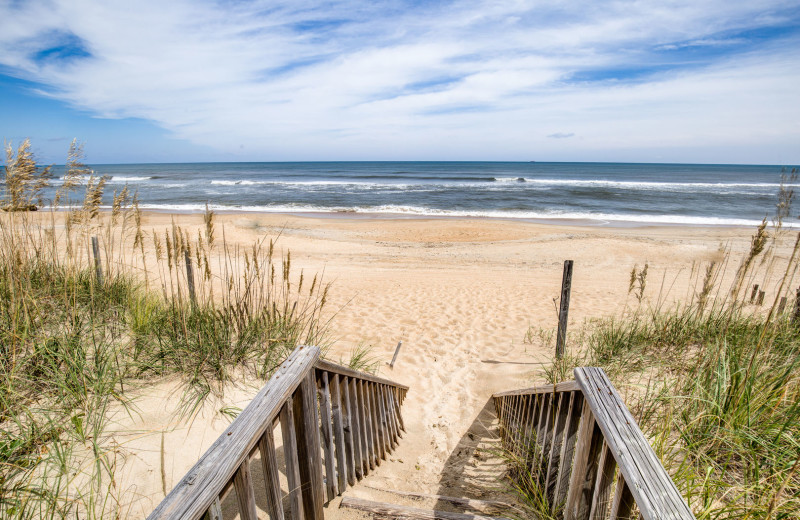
75	346
714	382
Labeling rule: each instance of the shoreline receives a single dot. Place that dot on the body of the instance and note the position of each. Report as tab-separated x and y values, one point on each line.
558	221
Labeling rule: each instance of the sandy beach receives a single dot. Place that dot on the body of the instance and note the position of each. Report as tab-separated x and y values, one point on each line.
461	295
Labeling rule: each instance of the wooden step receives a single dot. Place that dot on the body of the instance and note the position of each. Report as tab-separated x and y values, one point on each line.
467	503
386	510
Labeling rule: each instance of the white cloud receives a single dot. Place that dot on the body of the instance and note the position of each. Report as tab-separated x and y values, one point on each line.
470	79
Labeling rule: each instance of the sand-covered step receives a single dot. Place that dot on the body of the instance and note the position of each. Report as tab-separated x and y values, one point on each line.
387	510
476	505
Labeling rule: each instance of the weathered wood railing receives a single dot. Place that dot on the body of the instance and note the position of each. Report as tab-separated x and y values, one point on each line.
578	438
357	414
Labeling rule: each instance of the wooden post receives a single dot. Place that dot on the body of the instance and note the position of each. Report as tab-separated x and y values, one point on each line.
190	276
760	299
566	285
796	315
782	305
98	268
754	293
396	351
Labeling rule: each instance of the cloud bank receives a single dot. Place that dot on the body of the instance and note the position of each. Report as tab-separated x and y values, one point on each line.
632	81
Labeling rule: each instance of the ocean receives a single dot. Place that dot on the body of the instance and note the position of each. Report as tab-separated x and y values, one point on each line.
589	193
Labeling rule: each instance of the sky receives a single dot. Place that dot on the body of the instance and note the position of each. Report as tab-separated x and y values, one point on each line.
236	80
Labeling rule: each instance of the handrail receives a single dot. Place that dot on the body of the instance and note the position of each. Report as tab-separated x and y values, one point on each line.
573	436
358	415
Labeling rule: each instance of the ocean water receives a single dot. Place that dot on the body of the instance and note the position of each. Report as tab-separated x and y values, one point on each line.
597	193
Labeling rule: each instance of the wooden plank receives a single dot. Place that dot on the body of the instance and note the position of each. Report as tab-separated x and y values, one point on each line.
362	421
245	497
567	386
338	432
467	503
355	426
519	419
547	434
269	466
331	480
568	450
309	451
198	489
395	410
374	460
498	412
390	417
622	505
559	430
376	423
648	481
529	425
397	393
391	440
582	478
348	430
290	457
382	435
386	511
349	372
215	511
602	490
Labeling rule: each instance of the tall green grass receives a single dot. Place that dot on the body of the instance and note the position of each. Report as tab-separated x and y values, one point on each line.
73	346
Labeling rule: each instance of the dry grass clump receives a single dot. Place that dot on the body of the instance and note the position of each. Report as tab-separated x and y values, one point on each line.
80	325
24	180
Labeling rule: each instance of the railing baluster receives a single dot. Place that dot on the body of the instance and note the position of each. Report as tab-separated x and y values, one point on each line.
568	450
399	408
564	403
395	411
521	414
384	434
331	481
540	424
355	428
547	433
245	497
290	455
269	465
308	450
622	505
373	424
605	479
389	416
517	433
215	511
338	430
362	421
348	430
584	469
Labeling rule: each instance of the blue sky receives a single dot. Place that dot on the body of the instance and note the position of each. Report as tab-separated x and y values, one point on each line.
236	80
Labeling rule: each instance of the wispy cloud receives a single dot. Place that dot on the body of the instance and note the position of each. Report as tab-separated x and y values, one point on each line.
461	79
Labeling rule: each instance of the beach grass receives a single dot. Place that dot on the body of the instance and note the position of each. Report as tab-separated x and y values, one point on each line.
89	312
714	382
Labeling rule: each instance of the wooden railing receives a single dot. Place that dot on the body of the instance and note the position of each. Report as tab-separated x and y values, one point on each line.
586	450
357	414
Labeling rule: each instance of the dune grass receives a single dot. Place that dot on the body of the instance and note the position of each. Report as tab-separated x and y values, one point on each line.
714	381
74	344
